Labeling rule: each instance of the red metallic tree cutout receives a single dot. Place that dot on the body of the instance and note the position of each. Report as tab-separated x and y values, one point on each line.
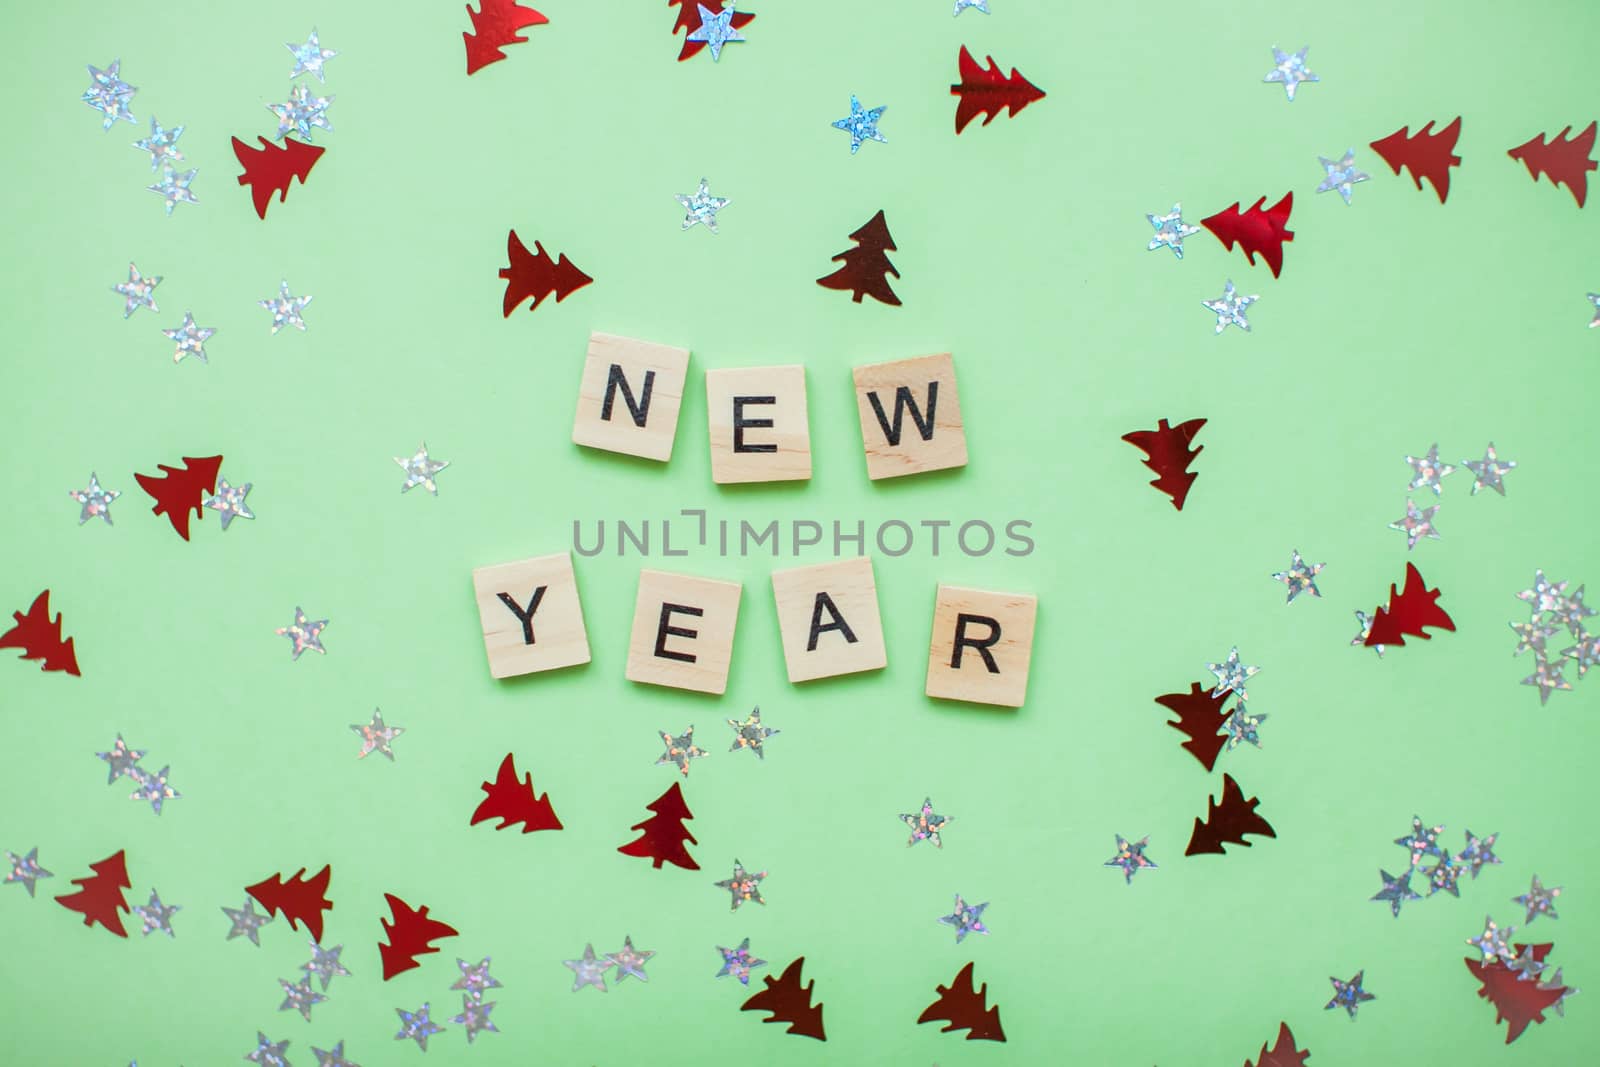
962	1008
512	801
1517	1000
269	169
1428	155
496	23
985	91
866	267
689	21
534	277
179	492
661	838
789	1002
1408	612
1257	231
1565	160
1282	1054
300	899
1200	717
39	637
1167	452
1228	822
99	896
409	936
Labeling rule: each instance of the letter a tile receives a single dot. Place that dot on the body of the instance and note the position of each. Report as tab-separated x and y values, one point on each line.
828	616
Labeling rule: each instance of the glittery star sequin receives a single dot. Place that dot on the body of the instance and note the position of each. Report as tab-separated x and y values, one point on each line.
154	788
1130	858
1421	841
1545	594
1232	675
1349	995
679	750
1566	991
925	825
301	113
1478	854
1493	942
701	207
1488	471
156	915
1230	307
375	736
324	964
1526	966
588	970
417	1026
1290	71
751	734
1341	174
475	978
333	1058
966	919
304	633
174	188
25	870
1170	231
1586	653
716	29
137	292
628	960
977	5
743	886
109	94
1547	677
1428	470
309	57
1396	891
161	144
191	339
475	1017
299	996
246	922
1539	900
269	1053
1444	875
420	470
286	308
1571	612
1364	624
1532	635
1594	298
95	500
122	760
1300	578
229	502
861	124
738	962
1242	726
1416	524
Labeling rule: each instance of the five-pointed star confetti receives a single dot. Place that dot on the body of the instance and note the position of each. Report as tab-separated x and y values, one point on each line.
861	124
1444	876
1586	653
1532	635
966	919
1428	470
137	292
161	144
716	29
1594	298
1571	612
925	825
743	886
738	962
679	750
1566	991
154	788
95	500
1526	966
375	736
324	964
1130	858
1170	231
1364	624
228	502
1547	677
1232	675
475	1016
122	760
174	188
269	1053
1488	471
1494	942
1300	578
701	207
1290	70
246	921
1341	174
1230	307
309	57
109	94
156	915
750	733
1349	995
1538	900
332	1057
978	5
1545	594
1396	891
420	470
1421	841
1416	524
286	308
475	978
1479	853
25	870
588	970
628	960
304	633
301	113
417	1026
299	996
1243	726
191	339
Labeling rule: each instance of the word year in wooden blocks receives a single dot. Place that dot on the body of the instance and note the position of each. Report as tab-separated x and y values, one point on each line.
532	617
910	416
981	646
758	422
683	631
629	398
828	617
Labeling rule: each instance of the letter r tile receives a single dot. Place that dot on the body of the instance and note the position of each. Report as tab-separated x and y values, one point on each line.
981	645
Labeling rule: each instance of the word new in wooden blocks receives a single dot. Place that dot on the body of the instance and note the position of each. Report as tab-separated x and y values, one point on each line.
981	646
629	398
828	617
758	422
683	631
910	416
532	617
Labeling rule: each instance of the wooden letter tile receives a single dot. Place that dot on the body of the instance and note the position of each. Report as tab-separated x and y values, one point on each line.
910	416
759	429
981	646
828	616
532	618
629	398
683	631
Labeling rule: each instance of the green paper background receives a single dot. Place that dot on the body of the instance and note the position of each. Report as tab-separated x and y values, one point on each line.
1397	322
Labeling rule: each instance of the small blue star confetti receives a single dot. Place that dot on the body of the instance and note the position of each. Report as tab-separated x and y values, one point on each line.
1538	900
738	962
174	188
1488	471
1416	524
1130	858
976	5
1421	841
138	291
1396	891
1349	995
1300	578
1341	174
25	871
109	94
228	502
925	825
716	29
1478	853
161	144
861	124
1170	231
1290	70
1232	675
95	500
1230	307
309	57
417	1026
304	633
286	308
966	919
701	207
301	113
